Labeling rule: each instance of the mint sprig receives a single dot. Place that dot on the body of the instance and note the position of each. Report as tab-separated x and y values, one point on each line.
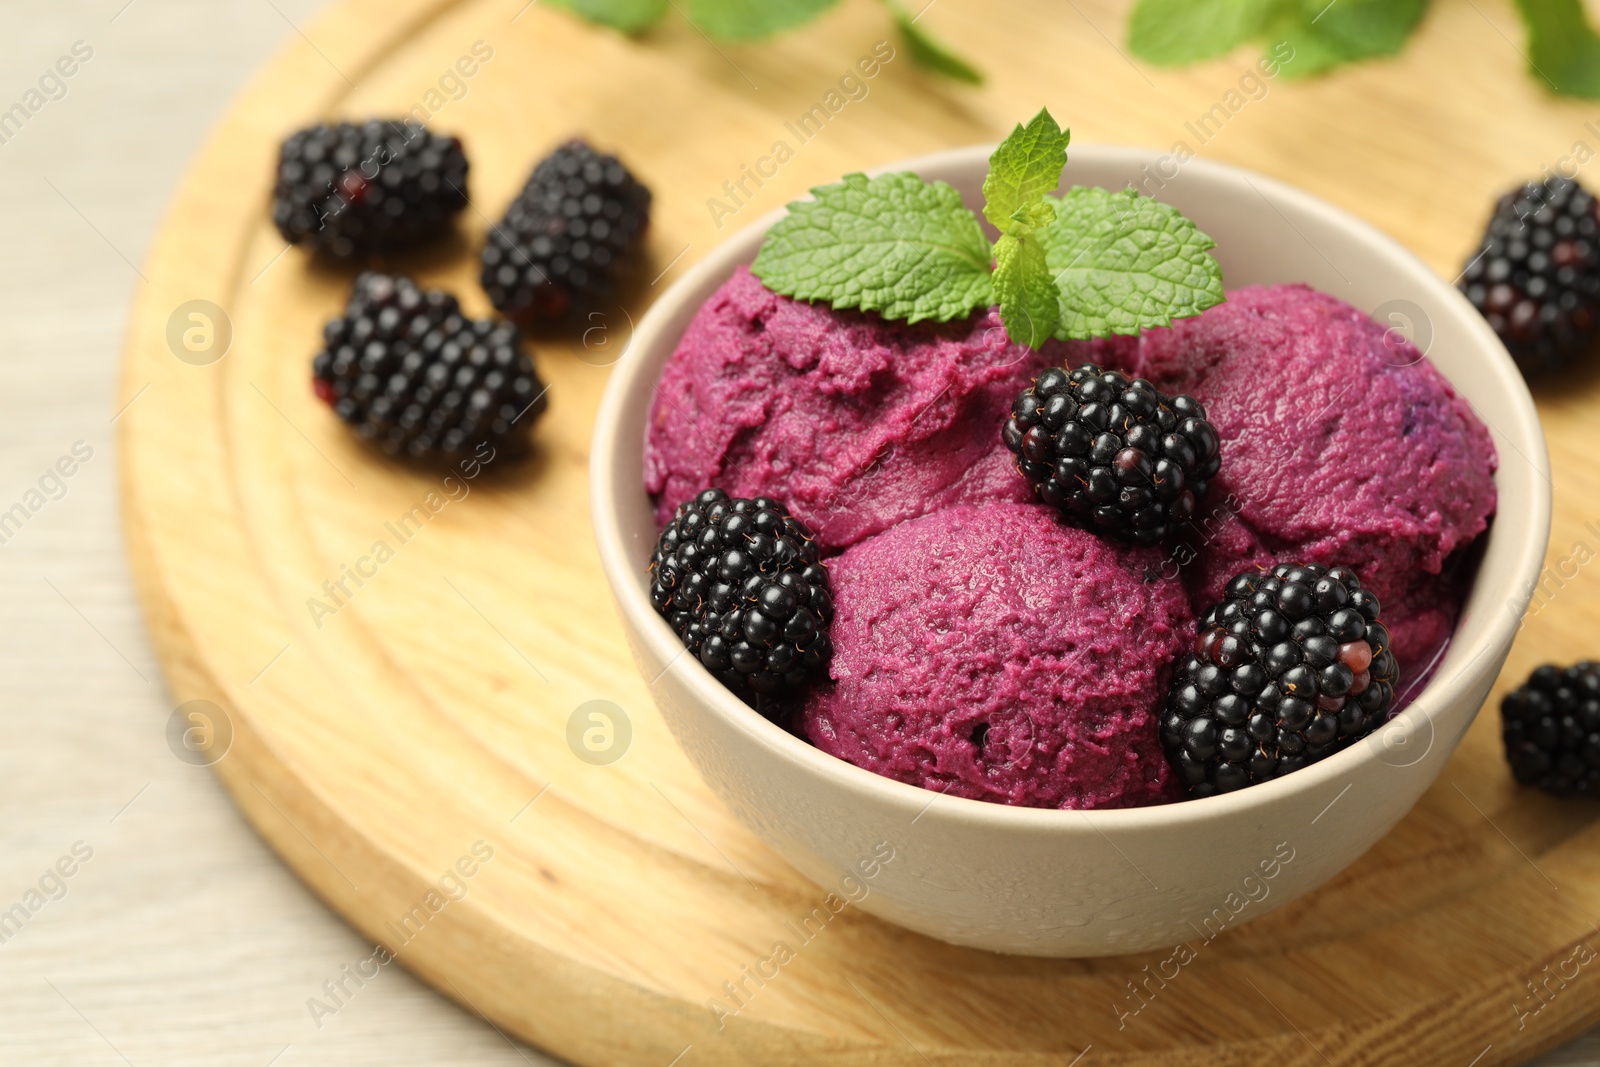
1125	263
1023	171
1089	264
893	244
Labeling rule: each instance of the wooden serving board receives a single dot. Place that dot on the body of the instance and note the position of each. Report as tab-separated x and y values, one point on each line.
424	724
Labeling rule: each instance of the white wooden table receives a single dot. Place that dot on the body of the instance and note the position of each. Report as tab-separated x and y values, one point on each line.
181	940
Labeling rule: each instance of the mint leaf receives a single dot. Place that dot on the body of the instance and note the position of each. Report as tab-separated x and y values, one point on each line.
893	244
1025	168
751	20
928	51
629	16
1124	263
1030	305
1325	36
1562	48
1171	33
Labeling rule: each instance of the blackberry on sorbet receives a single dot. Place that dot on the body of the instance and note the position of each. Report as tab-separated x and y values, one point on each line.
418	379
1113	454
346	189
740	583
1551	729
1536	274
567	238
1292	666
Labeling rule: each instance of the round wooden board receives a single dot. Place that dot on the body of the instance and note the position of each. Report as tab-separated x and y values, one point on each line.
426	719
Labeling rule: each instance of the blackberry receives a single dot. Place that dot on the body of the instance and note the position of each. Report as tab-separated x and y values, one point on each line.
1113	454
567	238
1551	728
418	379
1536	275
1292	666
741	585
345	189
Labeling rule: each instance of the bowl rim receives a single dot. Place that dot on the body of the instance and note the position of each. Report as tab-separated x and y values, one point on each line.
1457	674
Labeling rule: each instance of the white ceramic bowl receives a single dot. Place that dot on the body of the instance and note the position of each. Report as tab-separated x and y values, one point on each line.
1071	883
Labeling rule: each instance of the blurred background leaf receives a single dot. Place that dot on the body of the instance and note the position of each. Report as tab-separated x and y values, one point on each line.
629	16
1563	50
752	20
755	20
928	51
1327	35
1172	33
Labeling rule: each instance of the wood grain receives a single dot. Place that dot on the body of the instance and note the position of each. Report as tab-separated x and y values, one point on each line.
429	714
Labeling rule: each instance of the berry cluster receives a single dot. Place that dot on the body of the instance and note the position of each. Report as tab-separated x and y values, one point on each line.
1551	728
740	583
1536	275
1113	454
1291	667
418	379
347	189
565	240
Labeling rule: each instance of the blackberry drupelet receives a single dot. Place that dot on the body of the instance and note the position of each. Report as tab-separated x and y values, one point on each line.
348	189
418	379
1112	453
1551	728
1291	667
740	583
567	238
1536	275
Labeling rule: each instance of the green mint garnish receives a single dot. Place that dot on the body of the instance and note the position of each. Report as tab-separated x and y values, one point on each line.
1023	171
1030	306
1090	264
893	244
1124	263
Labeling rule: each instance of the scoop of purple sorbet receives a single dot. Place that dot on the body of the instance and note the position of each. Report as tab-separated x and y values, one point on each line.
854	422
1341	444
998	654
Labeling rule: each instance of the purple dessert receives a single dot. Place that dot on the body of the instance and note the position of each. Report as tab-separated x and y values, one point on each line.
1342	444
987	652
982	646
855	423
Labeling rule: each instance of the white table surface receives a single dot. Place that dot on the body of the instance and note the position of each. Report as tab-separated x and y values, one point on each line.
183	940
